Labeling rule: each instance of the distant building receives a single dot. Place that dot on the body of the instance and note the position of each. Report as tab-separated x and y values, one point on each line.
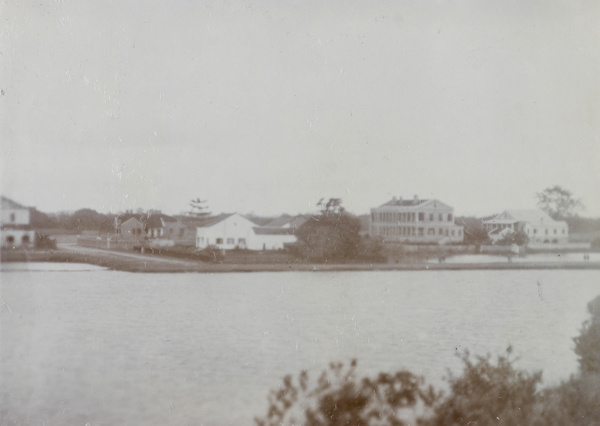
537	225
230	231
182	230
415	221
156	225
15	224
132	229
288	222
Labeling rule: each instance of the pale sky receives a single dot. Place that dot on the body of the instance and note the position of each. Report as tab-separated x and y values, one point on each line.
268	106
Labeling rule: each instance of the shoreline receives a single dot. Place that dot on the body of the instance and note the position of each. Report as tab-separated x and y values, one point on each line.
118	261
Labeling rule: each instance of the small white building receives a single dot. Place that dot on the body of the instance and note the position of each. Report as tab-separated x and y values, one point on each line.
537	225
230	231
15	224
272	238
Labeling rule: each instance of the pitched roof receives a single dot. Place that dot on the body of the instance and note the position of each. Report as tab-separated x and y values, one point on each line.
8	204
280	221
535	217
266	230
157	220
404	202
292	221
207	222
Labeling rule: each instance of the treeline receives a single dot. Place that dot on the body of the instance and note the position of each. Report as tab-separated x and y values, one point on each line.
80	220
488	392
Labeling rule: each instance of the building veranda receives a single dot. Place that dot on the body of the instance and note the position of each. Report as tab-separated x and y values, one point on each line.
537	225
415	220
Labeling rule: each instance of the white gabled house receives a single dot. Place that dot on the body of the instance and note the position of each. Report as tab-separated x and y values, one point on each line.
15	224
537	225
231	231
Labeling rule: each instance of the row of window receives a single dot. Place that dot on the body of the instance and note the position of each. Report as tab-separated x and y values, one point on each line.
24	239
511	226
547	233
218	241
410	217
414	231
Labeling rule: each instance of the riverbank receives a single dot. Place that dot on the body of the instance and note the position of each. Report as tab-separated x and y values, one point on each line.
154	263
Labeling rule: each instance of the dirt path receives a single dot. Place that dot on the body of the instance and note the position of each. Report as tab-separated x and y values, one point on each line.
130	261
145	257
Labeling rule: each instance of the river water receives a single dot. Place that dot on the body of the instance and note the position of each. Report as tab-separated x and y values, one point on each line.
91	346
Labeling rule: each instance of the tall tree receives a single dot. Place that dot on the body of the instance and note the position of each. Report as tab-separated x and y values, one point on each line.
558	202
199	208
332	235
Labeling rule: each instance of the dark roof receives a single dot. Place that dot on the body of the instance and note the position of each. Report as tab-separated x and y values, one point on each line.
212	220
8	204
280	221
266	230
151	222
404	202
293	221
154	222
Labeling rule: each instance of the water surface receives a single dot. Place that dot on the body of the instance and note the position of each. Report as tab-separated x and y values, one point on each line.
107	347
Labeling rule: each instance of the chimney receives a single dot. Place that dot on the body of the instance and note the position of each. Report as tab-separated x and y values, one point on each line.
416	198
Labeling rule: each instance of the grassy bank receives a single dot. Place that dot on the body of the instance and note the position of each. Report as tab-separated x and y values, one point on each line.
155	263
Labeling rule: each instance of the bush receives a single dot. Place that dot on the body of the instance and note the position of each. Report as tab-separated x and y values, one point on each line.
45	242
339	398
575	402
488	394
587	344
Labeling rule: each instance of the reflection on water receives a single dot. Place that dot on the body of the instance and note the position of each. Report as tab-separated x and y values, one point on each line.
118	348
47	267
528	258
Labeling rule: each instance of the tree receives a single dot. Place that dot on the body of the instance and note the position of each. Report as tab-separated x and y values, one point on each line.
577	401
587	344
199	209
488	394
558	202
519	238
332	235
89	220
476	236
340	398
331	207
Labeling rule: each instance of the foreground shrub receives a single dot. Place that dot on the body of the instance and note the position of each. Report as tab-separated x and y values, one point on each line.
575	402
339	398
485	393
488	393
587	344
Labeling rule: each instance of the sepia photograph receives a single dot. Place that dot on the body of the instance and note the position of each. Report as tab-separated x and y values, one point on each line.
309	213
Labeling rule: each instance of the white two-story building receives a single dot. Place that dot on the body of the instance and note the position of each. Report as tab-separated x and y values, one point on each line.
15	224
415	221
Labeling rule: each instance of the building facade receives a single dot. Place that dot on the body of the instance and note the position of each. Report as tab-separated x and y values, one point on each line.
15	224
537	225
231	231
415	221
132	229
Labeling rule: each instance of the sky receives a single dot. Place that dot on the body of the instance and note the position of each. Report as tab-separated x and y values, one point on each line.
269	106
